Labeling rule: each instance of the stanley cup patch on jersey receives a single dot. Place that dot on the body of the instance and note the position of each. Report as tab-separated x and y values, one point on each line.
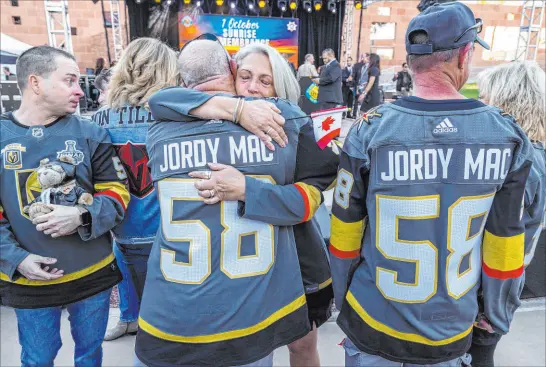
71	151
13	157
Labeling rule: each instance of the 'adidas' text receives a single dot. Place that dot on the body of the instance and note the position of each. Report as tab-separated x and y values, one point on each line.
445	127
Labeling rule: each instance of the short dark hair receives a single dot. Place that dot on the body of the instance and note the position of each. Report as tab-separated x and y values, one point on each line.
349	57
404	64
329	51
39	60
103	78
420	63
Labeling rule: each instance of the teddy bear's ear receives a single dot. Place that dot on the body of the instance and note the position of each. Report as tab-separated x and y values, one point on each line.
68	159
44	161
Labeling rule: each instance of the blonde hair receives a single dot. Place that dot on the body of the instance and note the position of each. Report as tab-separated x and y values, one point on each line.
286	85
146	66
518	88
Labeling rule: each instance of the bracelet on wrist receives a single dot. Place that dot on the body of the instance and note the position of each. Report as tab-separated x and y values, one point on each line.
236	109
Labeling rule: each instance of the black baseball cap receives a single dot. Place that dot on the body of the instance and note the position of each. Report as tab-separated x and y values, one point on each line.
448	26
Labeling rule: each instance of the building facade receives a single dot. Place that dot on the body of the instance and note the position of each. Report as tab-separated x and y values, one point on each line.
384	25
25	20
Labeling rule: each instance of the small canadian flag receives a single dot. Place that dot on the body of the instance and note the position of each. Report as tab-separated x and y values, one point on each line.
327	125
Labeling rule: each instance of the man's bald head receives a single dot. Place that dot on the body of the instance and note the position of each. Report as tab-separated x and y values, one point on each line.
202	60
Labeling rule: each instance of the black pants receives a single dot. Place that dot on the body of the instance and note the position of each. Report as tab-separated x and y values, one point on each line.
328	105
348	99
137	263
483	348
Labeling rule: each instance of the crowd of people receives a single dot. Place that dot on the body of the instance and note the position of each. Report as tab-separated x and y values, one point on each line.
199	179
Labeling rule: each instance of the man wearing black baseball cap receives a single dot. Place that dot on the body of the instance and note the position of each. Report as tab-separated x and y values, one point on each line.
419	223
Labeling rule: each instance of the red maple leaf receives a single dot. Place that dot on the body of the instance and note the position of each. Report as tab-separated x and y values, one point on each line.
327	123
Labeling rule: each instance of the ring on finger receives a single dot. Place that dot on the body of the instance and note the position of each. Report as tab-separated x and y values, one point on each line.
212	193
268	131
209	175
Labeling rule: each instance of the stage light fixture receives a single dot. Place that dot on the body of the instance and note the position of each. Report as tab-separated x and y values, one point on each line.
232	4
169	2
307	5
358	4
251	4
262	4
293	4
198	3
332	6
282	5
317	4
219	2
157	1
138	1
187	2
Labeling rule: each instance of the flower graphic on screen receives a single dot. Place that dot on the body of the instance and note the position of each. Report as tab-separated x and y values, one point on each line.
292	26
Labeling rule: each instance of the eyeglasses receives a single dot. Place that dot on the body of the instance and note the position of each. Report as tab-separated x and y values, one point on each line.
209	37
478	26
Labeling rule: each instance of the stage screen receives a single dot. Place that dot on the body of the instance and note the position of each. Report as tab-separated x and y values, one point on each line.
237	31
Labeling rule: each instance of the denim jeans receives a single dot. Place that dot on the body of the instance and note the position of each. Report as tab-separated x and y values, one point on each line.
136	259
354	357
128	299
40	337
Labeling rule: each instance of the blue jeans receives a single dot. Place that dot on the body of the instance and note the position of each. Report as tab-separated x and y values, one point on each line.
354	357
136	259
40	337
128	299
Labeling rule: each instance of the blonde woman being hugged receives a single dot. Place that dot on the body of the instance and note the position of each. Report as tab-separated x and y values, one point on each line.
146	66
518	88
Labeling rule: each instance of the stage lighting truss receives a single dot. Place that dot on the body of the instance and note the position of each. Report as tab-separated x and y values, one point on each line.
293	5
332	6
282	4
307	5
317	4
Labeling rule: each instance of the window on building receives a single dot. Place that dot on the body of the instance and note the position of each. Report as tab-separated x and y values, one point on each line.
386	53
384	11
16	20
383	31
14	2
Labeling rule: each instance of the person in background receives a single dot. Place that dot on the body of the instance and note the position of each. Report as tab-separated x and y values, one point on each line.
291	64
102	81
347	85
128	299
307	69
409	254
403	81
360	80
146	66
61	254
8	75
329	81
518	89
371	96
99	65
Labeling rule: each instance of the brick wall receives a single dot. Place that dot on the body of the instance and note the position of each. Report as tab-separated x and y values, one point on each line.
402	11
86	16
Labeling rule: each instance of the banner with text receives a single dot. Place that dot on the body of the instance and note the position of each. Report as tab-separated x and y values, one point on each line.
238	31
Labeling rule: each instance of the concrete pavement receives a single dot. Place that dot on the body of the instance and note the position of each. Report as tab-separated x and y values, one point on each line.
523	346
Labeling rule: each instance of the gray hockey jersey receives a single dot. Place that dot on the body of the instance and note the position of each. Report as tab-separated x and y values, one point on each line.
230	287
428	208
85	256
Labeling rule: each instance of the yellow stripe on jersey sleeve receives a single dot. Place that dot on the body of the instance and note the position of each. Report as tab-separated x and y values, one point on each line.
385	329
346	237
503	256
116	190
311	198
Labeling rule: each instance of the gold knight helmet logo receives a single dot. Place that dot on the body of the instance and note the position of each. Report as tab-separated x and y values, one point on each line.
12	154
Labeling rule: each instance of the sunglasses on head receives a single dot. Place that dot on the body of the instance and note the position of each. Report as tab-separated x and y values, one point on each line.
478	26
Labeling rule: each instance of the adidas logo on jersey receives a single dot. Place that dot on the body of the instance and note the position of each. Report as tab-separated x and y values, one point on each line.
444	127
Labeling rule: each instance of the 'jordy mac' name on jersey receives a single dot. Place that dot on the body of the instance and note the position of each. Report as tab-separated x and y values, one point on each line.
229	288
426	190
85	256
